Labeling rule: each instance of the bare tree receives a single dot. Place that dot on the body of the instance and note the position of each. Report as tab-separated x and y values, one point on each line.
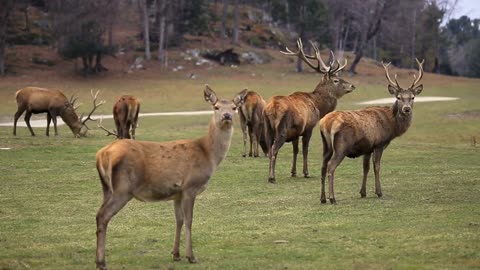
235	22
161	12
6	7
143	6
223	30
368	16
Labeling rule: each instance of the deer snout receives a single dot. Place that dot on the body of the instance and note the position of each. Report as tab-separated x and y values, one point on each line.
351	88
227	116
407	109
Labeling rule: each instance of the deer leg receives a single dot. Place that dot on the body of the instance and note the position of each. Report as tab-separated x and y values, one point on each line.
332	165
295	154
49	119
251	137
108	209
19	112
327	154
366	168
377	156
177	204
27	121
305	143
277	143
187	209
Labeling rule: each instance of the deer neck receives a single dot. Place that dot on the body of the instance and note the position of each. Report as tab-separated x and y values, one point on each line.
323	98
217	142
401	121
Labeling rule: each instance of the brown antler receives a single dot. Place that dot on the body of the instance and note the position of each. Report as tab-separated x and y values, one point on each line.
109	133
420	73
301	54
95	106
321	67
388	76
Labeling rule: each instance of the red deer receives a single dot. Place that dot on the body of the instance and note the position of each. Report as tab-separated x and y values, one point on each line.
35	100
365	132
289	117
125	115
251	122
154	171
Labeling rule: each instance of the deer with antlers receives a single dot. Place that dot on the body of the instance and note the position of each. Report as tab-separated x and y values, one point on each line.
35	100
366	132
286	118
159	171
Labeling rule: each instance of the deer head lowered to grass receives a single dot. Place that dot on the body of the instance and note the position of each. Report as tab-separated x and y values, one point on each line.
35	100
365	132
287	118
155	171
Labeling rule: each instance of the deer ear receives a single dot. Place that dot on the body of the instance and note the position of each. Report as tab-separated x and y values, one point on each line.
209	95
418	89
393	90
240	97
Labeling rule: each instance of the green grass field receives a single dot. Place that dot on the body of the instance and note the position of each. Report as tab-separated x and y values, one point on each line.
429	217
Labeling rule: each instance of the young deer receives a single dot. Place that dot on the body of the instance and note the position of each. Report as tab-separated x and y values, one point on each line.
125	115
289	117
35	100
155	171
251	122
366	131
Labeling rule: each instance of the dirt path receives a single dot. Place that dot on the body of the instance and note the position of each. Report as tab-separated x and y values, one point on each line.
43	122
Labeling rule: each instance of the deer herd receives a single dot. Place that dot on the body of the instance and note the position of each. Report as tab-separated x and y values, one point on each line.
180	170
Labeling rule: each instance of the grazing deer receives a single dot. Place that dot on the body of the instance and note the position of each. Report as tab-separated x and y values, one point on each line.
35	100
251	122
365	132
125	115
289	117
154	171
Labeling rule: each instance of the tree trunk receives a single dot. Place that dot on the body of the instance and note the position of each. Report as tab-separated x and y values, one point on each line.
4	13
161	4
146	31
235	22
223	30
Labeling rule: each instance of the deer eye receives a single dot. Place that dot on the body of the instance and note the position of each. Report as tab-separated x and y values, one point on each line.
335	80
235	108
413	98
216	108
398	98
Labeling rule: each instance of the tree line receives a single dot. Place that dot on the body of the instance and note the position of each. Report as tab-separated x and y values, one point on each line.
388	30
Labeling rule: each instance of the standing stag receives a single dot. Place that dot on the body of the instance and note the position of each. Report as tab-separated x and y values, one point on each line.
35	100
251	122
289	117
154	171
366	131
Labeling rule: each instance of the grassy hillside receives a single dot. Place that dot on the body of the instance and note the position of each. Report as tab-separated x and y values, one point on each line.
429	217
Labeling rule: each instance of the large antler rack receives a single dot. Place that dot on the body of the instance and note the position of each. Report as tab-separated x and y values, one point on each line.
109	133
320	67
95	106
390	81
420	73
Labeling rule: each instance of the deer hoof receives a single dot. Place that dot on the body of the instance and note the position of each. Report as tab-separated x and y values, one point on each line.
306	175
192	259
379	195
323	201
176	256
272	180
294	174
101	265
363	195
243	155
333	201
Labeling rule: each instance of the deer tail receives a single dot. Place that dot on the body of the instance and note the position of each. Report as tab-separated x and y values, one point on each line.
104	167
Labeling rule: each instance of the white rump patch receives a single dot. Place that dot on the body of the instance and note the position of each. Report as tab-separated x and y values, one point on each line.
417	99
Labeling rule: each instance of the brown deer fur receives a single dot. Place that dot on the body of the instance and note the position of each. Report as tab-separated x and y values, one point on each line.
365	132
125	115
35	100
289	117
154	171
251	122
